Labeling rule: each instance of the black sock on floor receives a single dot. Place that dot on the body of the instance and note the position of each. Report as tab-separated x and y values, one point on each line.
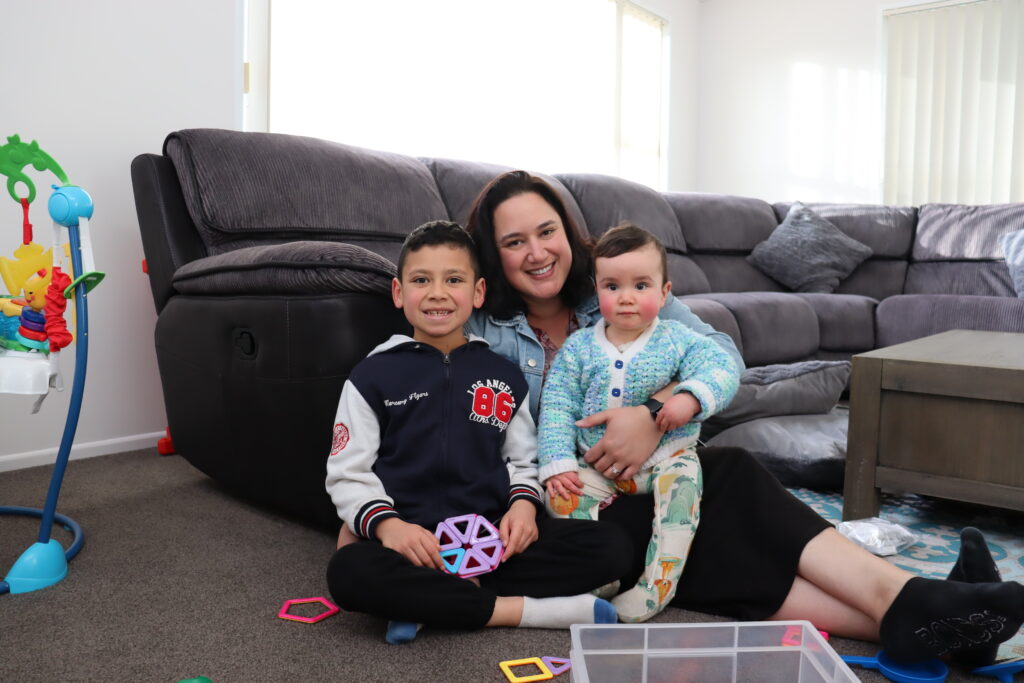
974	564
932	618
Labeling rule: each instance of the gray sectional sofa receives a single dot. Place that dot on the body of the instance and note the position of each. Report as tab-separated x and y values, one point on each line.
269	257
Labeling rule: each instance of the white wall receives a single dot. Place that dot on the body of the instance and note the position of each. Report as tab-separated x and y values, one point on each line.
97	83
790	99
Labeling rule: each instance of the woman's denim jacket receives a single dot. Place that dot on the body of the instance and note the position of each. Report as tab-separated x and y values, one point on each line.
514	339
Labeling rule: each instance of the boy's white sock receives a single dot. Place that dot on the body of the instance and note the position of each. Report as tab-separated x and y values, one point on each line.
563	612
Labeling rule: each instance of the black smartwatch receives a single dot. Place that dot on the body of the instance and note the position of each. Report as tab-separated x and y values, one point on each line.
653	405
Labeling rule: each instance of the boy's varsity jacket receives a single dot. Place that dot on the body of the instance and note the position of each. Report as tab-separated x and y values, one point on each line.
424	436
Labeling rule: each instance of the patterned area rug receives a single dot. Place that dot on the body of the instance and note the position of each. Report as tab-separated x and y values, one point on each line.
937	524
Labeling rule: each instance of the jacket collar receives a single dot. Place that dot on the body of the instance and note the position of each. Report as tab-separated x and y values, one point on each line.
586	312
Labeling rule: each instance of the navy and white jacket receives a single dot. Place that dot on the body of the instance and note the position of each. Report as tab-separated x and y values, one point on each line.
425	436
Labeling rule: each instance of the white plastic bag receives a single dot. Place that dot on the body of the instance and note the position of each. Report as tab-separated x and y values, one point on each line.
878	536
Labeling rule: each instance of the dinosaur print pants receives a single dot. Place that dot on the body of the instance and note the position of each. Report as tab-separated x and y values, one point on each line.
677	486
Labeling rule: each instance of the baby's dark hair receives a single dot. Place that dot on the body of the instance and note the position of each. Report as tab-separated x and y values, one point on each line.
439	233
627	237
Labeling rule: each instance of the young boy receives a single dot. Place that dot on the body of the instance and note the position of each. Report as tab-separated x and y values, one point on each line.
434	426
622	361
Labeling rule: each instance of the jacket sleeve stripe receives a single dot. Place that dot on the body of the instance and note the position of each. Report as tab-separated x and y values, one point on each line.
372	514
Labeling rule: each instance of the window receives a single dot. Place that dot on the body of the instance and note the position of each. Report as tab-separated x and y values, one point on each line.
955	103
549	85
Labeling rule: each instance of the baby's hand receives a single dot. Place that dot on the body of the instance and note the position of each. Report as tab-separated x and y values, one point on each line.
677	411
564	484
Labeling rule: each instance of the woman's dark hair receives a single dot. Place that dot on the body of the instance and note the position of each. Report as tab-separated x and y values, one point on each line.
502	300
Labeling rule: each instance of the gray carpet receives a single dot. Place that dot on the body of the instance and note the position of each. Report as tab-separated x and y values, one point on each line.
179	579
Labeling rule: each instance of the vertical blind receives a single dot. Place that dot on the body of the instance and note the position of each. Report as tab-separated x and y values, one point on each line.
955	103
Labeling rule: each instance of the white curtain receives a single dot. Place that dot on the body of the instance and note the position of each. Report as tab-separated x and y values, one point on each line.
955	103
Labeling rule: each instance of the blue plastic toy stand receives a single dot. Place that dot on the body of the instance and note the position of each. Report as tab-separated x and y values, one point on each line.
45	562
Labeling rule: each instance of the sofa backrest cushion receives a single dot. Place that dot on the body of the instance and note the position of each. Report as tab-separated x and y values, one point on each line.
459	183
721	224
888	230
957	250
607	201
247	189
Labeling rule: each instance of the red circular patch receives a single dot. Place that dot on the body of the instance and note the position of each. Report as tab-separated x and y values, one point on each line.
340	438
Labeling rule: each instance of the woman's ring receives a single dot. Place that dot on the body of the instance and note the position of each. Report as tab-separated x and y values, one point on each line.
616	470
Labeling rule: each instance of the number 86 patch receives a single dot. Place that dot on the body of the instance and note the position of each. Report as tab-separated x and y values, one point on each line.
493	407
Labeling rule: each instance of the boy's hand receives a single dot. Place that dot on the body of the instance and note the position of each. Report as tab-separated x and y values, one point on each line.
415	543
677	411
518	528
564	484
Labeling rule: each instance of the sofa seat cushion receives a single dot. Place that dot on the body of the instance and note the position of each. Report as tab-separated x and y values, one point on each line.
912	316
800	450
846	322
245	189
294	268
775	327
807	253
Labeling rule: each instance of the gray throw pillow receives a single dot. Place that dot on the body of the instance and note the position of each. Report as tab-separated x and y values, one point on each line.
800	450
807	253
1013	249
805	388
305	267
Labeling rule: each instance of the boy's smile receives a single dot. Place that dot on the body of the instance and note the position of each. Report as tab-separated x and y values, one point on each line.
438	292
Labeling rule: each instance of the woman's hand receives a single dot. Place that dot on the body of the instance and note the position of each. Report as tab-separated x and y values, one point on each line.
564	484
415	543
629	440
518	528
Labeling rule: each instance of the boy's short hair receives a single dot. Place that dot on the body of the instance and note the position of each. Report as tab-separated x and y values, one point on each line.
439	233
627	237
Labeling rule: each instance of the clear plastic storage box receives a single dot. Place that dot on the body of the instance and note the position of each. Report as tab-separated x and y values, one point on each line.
745	652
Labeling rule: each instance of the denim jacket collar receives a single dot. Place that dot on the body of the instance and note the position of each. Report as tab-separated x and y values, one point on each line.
586	313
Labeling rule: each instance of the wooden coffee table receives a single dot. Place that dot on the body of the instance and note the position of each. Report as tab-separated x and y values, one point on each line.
941	416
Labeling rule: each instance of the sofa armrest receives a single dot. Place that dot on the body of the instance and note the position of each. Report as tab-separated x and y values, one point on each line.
169	238
912	316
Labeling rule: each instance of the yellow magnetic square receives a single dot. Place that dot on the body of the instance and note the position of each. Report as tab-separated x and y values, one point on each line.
545	672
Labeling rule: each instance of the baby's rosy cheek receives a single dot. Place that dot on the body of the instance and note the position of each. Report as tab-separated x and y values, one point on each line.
650	308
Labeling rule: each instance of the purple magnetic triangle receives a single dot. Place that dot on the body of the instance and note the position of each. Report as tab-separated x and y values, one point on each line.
453	521
444	530
557	665
455	565
491	551
482	564
482	530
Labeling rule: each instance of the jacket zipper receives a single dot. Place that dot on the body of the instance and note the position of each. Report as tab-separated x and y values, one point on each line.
447	365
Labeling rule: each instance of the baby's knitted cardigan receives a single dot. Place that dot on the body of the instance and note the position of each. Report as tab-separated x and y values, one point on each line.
590	374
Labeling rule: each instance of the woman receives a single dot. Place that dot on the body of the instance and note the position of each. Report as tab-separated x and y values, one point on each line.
759	552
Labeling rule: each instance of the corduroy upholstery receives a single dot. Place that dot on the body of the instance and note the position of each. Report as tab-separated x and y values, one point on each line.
268	258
